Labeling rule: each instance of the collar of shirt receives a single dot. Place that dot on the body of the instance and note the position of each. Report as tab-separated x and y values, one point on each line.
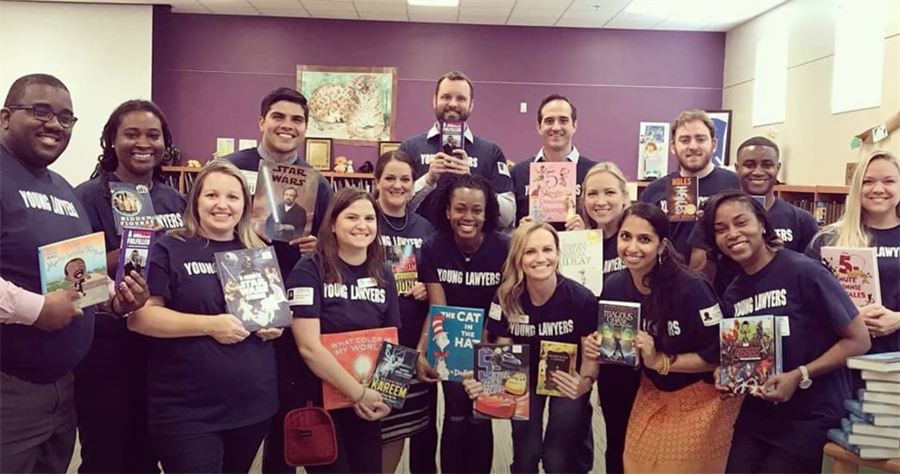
434	131
572	156
292	160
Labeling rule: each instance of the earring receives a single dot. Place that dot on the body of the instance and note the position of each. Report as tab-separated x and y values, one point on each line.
659	258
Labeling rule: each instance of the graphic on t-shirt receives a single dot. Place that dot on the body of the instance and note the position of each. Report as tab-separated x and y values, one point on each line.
357	352
393	373
402	260
254	290
581	258
618	326
132	206
750	352
285	200
502	370
682	198
554	356
857	270
134	252
551	191
452	336
78	263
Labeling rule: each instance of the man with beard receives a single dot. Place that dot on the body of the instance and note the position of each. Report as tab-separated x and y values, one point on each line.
291	216
453	101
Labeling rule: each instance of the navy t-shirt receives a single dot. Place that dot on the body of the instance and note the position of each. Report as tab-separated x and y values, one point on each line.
521	176
195	384
611	260
693	328
38	207
414	233
717	181
817	307
570	314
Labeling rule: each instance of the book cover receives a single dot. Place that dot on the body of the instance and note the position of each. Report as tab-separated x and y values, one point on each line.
452	336
554	356
750	352
885	362
857	270
132	206
653	151
78	263
617	327
452	136
682	198
502	370
357	352
551	191
285	200
254	290
581	258
134	252
402	259
394	370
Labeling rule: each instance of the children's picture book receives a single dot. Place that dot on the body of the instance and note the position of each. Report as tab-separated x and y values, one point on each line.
617	327
452	335
357	352
452	136
551	191
253	287
750	352
78	263
134	252
132	206
581	258
857	270
402	259
502	370
682	198
285	200
554	356
394	370
653	151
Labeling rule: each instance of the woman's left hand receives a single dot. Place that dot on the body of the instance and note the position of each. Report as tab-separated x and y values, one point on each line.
879	320
131	294
574	222
418	292
572	386
380	411
644	343
269	334
785	385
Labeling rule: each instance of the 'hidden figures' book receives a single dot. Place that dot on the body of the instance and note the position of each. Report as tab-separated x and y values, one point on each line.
502	370
131	206
285	200
551	191
394	371
617	327
78	263
750	352
357	352
254	291
402	260
134	252
857	270
581	258
554	356
682	198
452	336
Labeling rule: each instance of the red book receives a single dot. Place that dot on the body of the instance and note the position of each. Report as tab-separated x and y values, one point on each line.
357	352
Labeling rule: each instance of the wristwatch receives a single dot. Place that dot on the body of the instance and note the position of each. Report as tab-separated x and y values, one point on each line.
805	381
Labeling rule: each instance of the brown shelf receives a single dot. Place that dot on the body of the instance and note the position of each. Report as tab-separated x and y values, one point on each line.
332	175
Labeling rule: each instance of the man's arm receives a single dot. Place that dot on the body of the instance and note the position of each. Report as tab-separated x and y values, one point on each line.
17	305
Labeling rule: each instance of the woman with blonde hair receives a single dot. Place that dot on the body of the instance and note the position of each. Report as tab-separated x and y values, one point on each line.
211	387
535	303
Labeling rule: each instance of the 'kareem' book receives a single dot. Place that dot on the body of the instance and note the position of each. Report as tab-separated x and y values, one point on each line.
682	202
452	335
134	252
551	191
394	370
254	290
857	270
402	260
132	206
617	327
357	352
554	356
78	263
502	370
285	200
750	352
452	136
581	258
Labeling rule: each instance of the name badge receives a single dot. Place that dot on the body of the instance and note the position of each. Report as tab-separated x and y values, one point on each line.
784	324
367	282
300	296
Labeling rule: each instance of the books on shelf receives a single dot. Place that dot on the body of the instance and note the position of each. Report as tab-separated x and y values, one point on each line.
887	364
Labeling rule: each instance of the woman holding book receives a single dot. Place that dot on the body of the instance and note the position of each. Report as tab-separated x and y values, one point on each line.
404	231
110	383
461	266
210	383
782	426
678	422
536	304
344	286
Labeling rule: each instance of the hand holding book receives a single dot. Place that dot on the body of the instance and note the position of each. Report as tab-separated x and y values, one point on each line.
226	329
785	385
131	294
473	387
58	310
591	346
572	386
269	334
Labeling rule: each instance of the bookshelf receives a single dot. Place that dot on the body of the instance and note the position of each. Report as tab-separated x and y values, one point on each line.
338	181
180	177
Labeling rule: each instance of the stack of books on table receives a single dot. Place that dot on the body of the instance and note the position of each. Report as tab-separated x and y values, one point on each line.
871	429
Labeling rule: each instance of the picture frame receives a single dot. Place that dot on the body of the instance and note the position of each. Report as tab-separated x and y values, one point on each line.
384	147
722	121
318	153
653	150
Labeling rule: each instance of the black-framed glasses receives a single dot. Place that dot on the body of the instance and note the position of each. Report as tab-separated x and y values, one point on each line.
45	113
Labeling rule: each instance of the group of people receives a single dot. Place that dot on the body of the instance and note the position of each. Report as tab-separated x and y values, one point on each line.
163	374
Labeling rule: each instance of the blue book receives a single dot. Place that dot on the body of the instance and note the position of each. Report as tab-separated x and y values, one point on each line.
452	336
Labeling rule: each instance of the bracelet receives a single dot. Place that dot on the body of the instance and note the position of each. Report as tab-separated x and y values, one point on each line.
591	378
664	370
363	395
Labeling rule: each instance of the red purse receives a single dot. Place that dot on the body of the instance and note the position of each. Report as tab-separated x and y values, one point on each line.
309	437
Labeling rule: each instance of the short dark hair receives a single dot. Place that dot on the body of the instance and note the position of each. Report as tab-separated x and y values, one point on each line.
469	181
387	157
759	141
455	76
17	90
283	94
551	98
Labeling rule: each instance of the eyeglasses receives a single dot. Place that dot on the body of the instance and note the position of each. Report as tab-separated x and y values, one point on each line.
45	113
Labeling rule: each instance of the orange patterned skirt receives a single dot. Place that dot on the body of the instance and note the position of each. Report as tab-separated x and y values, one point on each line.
686	431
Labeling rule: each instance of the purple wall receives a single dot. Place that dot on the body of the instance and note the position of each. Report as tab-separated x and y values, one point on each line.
210	72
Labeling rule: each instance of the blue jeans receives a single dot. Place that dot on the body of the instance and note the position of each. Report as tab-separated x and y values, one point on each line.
561	446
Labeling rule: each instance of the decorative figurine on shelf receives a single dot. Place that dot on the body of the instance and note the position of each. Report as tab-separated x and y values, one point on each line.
343	165
193	164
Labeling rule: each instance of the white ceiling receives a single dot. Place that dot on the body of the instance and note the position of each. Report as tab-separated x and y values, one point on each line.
686	15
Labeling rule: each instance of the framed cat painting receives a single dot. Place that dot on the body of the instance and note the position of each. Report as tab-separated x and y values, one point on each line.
350	105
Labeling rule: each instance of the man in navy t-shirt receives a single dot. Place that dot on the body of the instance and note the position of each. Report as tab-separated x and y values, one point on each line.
453	102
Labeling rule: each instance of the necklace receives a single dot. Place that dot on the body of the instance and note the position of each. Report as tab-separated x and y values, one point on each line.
391	224
468	255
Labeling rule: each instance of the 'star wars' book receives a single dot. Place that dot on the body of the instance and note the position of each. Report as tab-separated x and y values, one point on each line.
134	252
502	370
393	373
452	136
581	258
682	198
402	260
452	336
617	327
750	352
78	263
357	352
857	270
554	356
285	200
254	290
132	206
551	191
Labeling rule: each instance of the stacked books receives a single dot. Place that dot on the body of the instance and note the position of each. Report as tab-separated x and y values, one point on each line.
872	427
